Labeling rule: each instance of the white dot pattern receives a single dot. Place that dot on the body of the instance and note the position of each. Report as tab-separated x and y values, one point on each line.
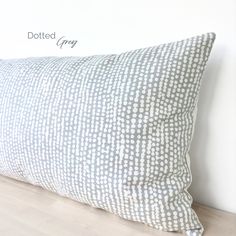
112	131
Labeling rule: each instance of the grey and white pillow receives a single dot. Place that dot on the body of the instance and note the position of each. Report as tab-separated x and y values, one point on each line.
112	131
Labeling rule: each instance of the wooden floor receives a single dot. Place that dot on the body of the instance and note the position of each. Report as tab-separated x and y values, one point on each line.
26	210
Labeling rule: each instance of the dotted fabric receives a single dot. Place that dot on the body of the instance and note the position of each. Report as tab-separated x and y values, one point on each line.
112	131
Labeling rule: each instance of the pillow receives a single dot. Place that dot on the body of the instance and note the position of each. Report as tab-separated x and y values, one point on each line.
112	131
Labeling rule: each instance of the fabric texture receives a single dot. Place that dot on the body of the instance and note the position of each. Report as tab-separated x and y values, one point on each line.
112	131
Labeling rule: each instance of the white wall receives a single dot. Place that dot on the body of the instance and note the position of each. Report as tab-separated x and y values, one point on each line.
107	26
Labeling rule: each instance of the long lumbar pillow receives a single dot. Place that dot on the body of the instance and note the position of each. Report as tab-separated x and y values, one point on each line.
112	131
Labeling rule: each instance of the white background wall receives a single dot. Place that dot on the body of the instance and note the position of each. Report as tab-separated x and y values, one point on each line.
108	26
